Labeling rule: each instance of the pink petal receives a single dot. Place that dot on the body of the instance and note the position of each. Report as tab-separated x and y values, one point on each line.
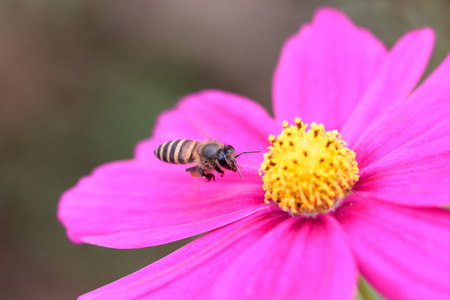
325	69
404	156
403	252
413	175
147	202
229	118
421	118
189	272
398	74
128	205
299	259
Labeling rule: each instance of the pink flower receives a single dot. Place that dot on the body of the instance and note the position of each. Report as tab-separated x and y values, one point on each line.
390	228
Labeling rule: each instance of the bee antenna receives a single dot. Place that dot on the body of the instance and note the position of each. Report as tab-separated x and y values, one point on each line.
237	169
246	153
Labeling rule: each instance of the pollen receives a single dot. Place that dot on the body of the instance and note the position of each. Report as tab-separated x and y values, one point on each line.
308	172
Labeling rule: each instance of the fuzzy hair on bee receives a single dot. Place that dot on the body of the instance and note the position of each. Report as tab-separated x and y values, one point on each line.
206	156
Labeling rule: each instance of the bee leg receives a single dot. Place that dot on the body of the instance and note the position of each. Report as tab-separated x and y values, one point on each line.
194	172
191	169
207	176
219	170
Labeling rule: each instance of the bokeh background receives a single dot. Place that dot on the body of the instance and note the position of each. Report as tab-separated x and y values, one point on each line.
82	81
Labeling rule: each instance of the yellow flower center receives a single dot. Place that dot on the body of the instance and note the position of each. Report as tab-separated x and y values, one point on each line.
308	172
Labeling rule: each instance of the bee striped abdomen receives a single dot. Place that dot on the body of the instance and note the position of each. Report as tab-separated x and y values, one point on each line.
177	152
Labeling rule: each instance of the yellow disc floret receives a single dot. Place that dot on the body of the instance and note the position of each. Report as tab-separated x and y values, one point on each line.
308	172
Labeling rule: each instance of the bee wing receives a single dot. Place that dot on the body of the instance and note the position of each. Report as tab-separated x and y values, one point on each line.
210	132
205	135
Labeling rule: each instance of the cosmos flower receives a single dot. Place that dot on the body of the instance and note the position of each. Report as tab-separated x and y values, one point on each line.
359	190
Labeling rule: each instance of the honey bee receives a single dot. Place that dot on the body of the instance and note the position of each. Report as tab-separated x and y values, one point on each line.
207	156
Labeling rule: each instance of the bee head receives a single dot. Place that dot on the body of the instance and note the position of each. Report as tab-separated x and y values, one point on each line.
227	158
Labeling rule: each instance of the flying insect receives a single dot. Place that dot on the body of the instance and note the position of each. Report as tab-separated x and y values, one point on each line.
207	156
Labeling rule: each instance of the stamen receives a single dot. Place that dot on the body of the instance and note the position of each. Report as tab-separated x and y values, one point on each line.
308	172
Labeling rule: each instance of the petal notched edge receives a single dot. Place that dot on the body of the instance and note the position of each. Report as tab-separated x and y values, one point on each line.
398	74
324	69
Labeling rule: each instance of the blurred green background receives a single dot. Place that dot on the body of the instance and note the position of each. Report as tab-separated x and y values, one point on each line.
81	82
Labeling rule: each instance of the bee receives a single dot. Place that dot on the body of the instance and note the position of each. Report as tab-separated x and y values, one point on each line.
207	156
